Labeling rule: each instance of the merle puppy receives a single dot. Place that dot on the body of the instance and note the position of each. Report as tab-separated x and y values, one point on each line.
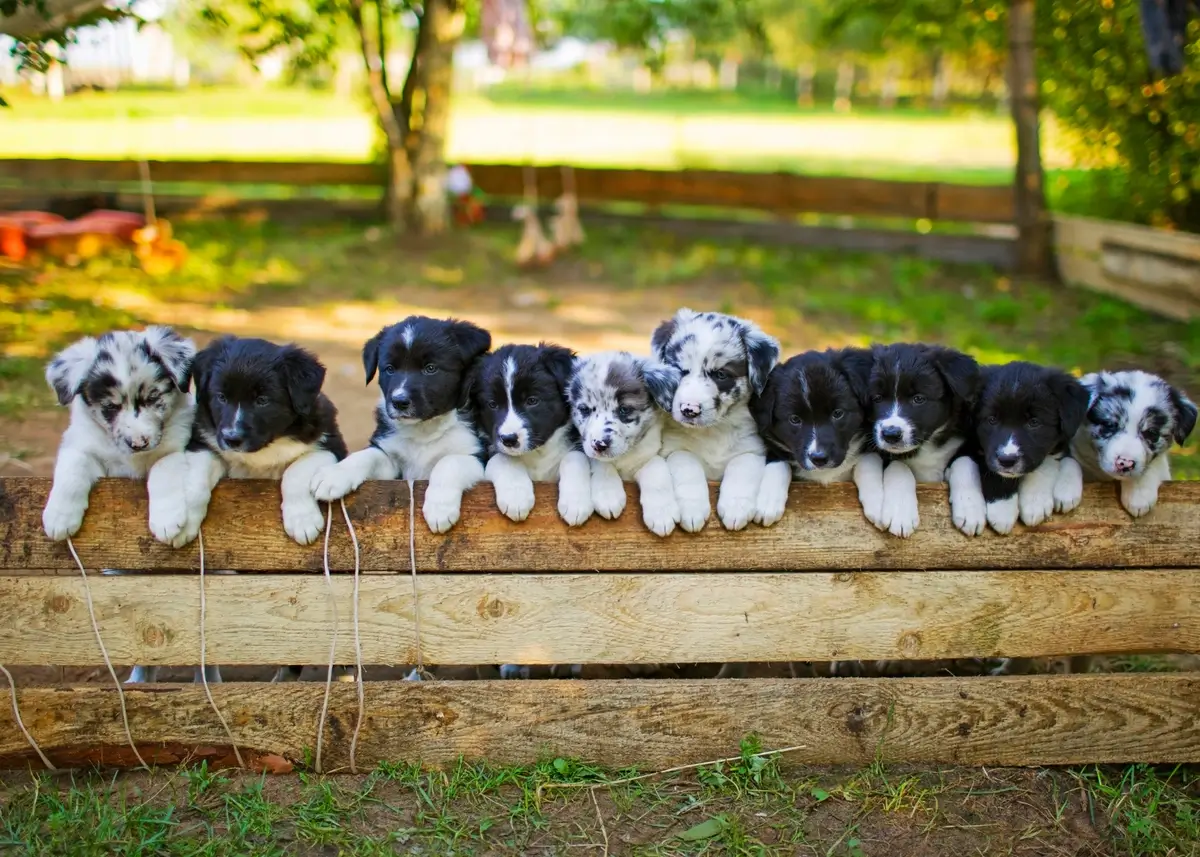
520	397
1132	420
130	410
423	425
1024	421
921	399
719	364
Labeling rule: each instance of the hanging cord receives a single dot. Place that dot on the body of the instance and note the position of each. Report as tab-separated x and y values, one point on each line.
358	658
332	645
203	665
412	560
87	592
12	687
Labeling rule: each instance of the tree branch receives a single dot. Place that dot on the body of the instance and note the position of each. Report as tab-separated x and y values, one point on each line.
376	83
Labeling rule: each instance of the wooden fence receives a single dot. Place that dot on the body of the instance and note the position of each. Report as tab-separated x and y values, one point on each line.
821	585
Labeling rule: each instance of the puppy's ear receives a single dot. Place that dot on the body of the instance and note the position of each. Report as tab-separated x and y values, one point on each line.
1072	402
856	364
172	352
662	381
470	383
1093	382
303	374
204	362
762	353
560	362
662	335
69	368
1185	414
472	341
959	371
763	405
370	354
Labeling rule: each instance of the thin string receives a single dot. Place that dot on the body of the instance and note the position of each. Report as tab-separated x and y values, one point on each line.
358	658
12	687
332	645
203	665
412	561
87	592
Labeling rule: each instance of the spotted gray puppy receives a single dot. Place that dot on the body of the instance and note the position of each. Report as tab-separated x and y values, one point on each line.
612	397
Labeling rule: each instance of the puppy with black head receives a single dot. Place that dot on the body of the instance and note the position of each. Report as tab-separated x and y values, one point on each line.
719	364
520	398
424	428
260	414
1132	419
1024	420
921	399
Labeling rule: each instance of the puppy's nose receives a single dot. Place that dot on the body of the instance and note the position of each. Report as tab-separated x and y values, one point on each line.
689	410
231	438
401	401
1007	460
601	444
1124	465
510	440
138	444
891	434
818	458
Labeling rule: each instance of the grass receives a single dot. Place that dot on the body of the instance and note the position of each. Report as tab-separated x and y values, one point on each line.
751	806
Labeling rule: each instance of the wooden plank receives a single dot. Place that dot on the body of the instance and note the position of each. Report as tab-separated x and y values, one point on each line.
67	171
1020	720
605	618
972	203
822	530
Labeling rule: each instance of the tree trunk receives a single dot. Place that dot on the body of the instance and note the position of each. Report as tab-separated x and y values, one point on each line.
804	84
1033	224
891	85
941	81
442	23
844	89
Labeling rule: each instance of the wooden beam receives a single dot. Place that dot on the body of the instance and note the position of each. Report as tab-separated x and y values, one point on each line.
822	530
1020	720
604	618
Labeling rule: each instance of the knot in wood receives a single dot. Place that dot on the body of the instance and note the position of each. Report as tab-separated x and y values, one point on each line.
491	608
155	636
909	643
59	603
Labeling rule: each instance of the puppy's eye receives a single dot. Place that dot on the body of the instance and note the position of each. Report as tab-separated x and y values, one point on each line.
262	401
1033	422
992	420
877	398
389	369
794	419
625	411
584	411
1150	437
720	375
493	404
430	369
110	411
221	398
838	414
918	400
532	402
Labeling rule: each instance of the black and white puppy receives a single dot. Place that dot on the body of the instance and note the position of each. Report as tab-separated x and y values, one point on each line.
722	364
423	424
130	409
1132	419
813	416
920	409
1024	421
520	398
260	414
612	399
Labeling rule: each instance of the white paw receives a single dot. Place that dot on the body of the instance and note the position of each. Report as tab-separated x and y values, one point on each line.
608	496
168	516
575	504
1139	498
190	530
1002	514
969	513
513	671
900	515
62	519
737	511
303	521
660	512
514	498
332	483
1036	502
772	501
1068	487
442	508
694	512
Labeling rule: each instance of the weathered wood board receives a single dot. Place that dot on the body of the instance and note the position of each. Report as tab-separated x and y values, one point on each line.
823	529
1024	720
603	618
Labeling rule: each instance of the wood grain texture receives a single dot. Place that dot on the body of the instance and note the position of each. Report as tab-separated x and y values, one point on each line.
1021	720
604	618
823	529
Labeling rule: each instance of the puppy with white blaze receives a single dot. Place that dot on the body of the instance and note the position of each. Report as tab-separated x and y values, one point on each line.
1024	420
130	409
1132	419
722	364
423	423
520	397
921	399
612	399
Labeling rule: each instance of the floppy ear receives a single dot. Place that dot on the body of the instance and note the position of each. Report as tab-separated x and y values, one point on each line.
959	371
763	405
662	381
172	352
470	382
1072	402
204	362
1185	414
762	352
69	368
856	364
662	335
472	341
1093	382
560	362
370	354
303	374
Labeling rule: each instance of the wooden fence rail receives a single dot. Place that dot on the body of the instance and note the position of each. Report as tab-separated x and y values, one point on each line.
820	585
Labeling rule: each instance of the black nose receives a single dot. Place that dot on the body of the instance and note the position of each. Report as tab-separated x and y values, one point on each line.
689	411
510	440
818	458
232	438
601	445
401	401
1005	460
891	433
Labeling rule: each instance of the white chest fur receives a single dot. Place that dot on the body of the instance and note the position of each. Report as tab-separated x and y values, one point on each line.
542	463
715	445
930	462
268	462
641	452
416	447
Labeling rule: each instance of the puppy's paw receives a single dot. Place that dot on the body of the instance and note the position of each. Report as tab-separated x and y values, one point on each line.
1002	514
900	515
1068	487
969	514
771	502
332	483
1036	501
513	671
514	497
442	508
736	511
168	516
303	521
608	495
191	529
62	519
694	512
575	504
1138	498
660	512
